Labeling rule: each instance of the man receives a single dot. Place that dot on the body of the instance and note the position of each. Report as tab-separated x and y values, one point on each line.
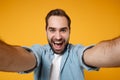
59	60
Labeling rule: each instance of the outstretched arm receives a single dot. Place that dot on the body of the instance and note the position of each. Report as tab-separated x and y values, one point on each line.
104	54
15	58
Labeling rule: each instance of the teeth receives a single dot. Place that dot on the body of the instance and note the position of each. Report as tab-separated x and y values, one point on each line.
58	42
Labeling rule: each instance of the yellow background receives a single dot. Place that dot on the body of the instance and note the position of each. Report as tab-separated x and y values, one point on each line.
22	23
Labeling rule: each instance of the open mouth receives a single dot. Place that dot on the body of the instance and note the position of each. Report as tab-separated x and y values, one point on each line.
58	45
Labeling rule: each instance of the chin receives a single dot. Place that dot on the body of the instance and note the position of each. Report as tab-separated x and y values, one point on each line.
58	52
61	51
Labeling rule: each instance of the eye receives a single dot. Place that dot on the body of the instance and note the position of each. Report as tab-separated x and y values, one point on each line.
52	30
63	30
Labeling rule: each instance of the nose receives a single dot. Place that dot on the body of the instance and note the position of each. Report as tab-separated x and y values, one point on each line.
58	36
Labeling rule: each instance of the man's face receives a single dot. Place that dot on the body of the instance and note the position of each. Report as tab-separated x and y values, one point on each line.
58	33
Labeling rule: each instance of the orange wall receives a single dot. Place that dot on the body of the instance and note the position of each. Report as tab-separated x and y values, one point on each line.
22	22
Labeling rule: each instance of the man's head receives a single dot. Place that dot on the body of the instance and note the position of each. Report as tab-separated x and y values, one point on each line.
58	30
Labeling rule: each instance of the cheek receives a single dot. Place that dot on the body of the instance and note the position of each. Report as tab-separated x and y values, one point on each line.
49	36
66	37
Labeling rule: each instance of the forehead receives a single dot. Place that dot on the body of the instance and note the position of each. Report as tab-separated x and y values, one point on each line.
57	22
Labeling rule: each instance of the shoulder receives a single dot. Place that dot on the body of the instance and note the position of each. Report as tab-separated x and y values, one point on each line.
78	48
37	48
75	47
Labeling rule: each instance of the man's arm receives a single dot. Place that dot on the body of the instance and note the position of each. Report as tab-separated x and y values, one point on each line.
15	58
104	54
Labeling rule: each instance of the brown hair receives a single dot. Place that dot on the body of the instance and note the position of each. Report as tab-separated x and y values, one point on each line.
57	12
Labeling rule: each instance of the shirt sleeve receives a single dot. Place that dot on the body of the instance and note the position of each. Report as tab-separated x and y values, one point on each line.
37	51
81	53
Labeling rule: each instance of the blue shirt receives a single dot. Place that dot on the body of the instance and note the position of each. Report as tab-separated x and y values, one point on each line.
72	65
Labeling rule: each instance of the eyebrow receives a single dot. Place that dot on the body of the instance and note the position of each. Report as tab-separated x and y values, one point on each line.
64	28
51	28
